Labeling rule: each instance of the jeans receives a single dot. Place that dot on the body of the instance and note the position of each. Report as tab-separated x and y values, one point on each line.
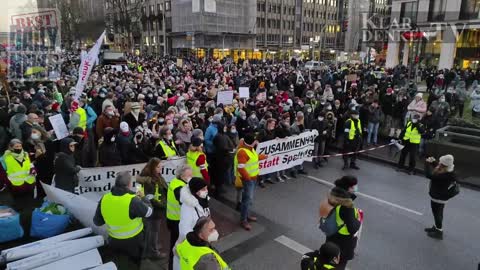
247	198
437	210
319	149
372	131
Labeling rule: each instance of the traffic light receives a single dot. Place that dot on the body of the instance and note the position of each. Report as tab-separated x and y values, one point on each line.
345	26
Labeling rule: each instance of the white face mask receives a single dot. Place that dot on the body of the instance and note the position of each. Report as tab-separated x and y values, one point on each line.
414	121
169	137
355	116
213	237
320	118
203	194
170	126
35	136
355	189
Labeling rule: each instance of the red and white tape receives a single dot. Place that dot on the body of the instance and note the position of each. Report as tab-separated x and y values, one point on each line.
357	152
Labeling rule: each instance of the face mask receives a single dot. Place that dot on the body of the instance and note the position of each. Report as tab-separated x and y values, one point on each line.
309	110
213	237
243	117
233	131
35	136
17	151
150	95
320	118
355	116
442	100
253	116
203	194
329	108
414	121
110	113
322	103
170	126
355	189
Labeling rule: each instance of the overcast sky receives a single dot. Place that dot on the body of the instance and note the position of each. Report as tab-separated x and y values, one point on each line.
13	6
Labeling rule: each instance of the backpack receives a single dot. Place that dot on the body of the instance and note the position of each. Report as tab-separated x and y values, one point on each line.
328	224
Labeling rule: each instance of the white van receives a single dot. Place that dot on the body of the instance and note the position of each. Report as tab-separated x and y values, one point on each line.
315	65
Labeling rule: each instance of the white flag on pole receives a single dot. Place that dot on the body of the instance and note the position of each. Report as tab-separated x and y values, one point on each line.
88	61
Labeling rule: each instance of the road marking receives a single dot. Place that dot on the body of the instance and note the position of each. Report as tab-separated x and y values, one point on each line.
292	244
321	181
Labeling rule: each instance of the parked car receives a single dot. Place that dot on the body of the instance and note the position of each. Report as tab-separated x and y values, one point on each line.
315	65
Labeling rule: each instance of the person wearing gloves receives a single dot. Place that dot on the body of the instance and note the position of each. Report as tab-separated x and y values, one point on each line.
66	171
122	211
349	218
153	183
196	251
194	199
443	181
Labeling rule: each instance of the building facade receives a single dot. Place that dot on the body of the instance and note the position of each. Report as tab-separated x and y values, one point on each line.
139	25
446	34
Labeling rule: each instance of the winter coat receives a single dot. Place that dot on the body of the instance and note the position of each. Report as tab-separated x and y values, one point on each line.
346	243
417	108
149	185
296	129
210	134
439	183
387	104
15	123
66	171
224	149
190	212
108	154
266	135
104	121
132	121
320	126
374	114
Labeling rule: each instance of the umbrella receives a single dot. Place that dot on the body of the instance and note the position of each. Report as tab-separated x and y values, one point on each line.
33	70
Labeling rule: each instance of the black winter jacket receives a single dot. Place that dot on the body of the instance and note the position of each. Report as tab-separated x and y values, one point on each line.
66	177
439	183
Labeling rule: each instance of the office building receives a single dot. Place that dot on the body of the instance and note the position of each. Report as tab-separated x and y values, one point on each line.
442	33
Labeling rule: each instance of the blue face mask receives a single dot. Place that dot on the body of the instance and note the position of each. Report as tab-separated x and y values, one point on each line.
355	189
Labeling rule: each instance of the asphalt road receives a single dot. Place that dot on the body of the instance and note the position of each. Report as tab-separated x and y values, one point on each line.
397	209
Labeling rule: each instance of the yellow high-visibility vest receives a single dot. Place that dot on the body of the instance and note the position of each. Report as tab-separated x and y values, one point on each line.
173	205
192	158
169	150
190	255
115	211
251	166
412	134
353	129
19	174
83	118
340	224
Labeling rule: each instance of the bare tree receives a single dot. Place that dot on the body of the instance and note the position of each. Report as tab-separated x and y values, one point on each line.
124	15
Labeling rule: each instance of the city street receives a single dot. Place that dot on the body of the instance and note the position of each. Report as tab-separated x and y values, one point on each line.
397	209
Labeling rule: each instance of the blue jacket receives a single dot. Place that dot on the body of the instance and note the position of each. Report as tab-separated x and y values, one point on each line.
91	116
210	134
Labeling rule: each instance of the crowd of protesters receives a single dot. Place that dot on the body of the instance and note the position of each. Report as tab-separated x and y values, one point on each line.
156	109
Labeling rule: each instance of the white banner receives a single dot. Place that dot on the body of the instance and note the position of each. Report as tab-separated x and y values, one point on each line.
286	153
94	182
86	66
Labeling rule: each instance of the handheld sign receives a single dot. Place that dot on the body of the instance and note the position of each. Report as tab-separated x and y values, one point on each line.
59	127
244	92
225	97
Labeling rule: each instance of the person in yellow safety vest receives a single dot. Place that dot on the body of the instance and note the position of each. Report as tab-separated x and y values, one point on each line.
122	211
165	148
20	171
183	176
78	117
153	183
196	252
352	140
326	258
349	219
411	137
198	160
246	164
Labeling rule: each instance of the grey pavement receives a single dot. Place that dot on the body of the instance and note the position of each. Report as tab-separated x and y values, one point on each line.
397	209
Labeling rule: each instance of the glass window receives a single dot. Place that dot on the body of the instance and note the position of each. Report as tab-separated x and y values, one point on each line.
470	10
167	6
408	12
436	12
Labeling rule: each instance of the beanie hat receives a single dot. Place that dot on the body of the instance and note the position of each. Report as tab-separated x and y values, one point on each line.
78	131
55	106
249	139
329	251
346	182
447	161
21	108
196	142
124	127
340	193
196	184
